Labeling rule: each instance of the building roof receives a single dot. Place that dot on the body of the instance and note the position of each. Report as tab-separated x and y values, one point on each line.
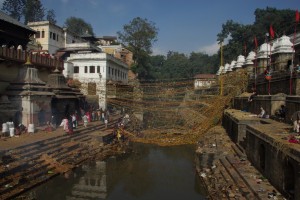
205	76
9	19
107	37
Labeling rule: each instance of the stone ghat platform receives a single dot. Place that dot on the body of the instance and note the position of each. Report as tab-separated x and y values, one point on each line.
30	160
225	171
266	144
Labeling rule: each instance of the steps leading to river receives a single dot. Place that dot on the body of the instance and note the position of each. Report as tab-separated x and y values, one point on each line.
226	172
24	167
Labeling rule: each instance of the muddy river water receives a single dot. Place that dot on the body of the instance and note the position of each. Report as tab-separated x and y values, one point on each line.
149	172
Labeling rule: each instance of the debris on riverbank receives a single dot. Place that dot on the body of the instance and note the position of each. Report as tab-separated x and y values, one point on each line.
225	171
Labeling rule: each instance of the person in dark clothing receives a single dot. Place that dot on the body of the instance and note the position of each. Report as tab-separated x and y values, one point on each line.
250	99
281	113
70	124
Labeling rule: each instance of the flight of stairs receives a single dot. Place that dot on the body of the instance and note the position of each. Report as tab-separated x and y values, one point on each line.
27	166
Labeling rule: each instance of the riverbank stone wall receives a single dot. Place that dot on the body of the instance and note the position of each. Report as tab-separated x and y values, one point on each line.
271	103
267	148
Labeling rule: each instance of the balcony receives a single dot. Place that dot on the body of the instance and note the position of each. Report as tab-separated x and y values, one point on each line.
37	60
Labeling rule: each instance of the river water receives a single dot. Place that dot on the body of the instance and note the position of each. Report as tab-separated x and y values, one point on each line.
149	172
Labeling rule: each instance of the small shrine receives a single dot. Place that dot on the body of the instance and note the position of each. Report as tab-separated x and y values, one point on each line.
66	100
282	54
249	63
30	96
263	57
239	62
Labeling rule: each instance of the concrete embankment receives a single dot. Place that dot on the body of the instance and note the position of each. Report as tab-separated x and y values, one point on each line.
32	160
249	158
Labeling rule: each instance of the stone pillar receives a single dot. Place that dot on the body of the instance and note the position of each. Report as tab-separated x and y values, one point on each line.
102	93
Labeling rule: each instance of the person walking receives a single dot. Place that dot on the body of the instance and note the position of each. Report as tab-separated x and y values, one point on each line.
85	120
70	124
53	122
106	122
74	121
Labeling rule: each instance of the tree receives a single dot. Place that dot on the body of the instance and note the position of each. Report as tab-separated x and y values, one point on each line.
240	36
78	26
14	8
176	66
51	16
33	11
202	63
139	36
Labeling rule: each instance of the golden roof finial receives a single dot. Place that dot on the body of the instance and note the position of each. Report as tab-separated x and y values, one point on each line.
28	62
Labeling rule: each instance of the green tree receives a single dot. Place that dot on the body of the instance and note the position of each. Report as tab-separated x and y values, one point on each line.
139	36
176	66
156	64
241	37
202	63
14	8
78	26
33	11
51	16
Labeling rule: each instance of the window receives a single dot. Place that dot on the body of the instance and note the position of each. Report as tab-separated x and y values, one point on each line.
43	34
37	35
108	70
50	34
98	69
85	69
54	36
76	69
92	69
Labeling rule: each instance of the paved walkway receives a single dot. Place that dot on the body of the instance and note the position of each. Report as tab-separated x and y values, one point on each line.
7	143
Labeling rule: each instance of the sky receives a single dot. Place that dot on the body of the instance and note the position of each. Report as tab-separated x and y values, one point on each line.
184	26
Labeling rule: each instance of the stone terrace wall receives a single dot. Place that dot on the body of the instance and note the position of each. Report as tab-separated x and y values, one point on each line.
270	103
277	159
267	148
235	123
292	104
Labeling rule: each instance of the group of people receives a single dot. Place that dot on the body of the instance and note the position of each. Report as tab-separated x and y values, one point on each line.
280	113
96	115
70	122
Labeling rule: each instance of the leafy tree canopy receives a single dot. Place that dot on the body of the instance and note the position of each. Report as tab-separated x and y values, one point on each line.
180	66
51	16
33	11
14	8
78	26
27	10
139	36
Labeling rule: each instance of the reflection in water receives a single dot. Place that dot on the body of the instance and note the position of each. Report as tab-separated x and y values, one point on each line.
149	172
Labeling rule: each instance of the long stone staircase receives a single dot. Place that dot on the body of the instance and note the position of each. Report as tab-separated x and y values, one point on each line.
29	165
227	174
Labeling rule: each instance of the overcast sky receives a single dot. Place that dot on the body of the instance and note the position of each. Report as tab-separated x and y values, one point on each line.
184	26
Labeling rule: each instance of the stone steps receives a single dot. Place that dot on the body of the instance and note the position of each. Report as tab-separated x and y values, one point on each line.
34	154
251	176
27	162
243	188
22	179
